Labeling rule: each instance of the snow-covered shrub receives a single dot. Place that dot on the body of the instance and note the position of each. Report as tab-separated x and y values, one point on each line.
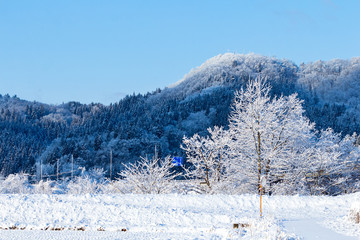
97	174
117	186
92	181
356	187
44	187
83	185
15	183
149	176
60	186
355	213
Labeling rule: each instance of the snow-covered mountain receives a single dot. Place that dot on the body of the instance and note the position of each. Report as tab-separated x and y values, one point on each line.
329	88
132	127
231	69
225	67
336	81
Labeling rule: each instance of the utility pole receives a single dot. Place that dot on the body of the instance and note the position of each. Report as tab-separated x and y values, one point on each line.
110	164
72	166
41	172
155	152
57	170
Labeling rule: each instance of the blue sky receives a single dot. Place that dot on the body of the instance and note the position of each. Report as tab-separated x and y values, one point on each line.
99	51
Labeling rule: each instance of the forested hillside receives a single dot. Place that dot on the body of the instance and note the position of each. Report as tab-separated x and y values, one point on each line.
33	133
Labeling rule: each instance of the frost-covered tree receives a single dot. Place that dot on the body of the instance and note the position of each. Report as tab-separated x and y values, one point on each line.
270	137
332	163
208	157
266	134
15	183
150	175
350	154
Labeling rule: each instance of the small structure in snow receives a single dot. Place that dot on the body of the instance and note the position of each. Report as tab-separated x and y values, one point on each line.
178	161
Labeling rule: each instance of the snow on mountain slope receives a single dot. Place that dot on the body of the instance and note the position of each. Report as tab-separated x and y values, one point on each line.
228	68
15	104
176	217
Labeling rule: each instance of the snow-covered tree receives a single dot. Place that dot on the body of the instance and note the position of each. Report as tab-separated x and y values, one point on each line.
207	156
334	160
323	162
15	183
266	134
316	168
84	185
150	175
270	137
350	153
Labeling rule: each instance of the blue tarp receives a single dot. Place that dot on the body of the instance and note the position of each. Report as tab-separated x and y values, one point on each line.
178	161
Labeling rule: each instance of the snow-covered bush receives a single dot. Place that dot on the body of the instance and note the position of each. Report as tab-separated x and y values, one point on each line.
355	213
356	187
149	176
83	185
117	186
44	187
97	174
15	183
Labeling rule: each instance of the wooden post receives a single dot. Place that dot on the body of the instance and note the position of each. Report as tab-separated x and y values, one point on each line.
260	200
261	183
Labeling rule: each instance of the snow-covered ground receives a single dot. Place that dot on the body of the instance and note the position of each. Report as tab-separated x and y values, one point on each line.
176	217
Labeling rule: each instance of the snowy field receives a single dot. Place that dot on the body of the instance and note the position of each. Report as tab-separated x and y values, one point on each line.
176	217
